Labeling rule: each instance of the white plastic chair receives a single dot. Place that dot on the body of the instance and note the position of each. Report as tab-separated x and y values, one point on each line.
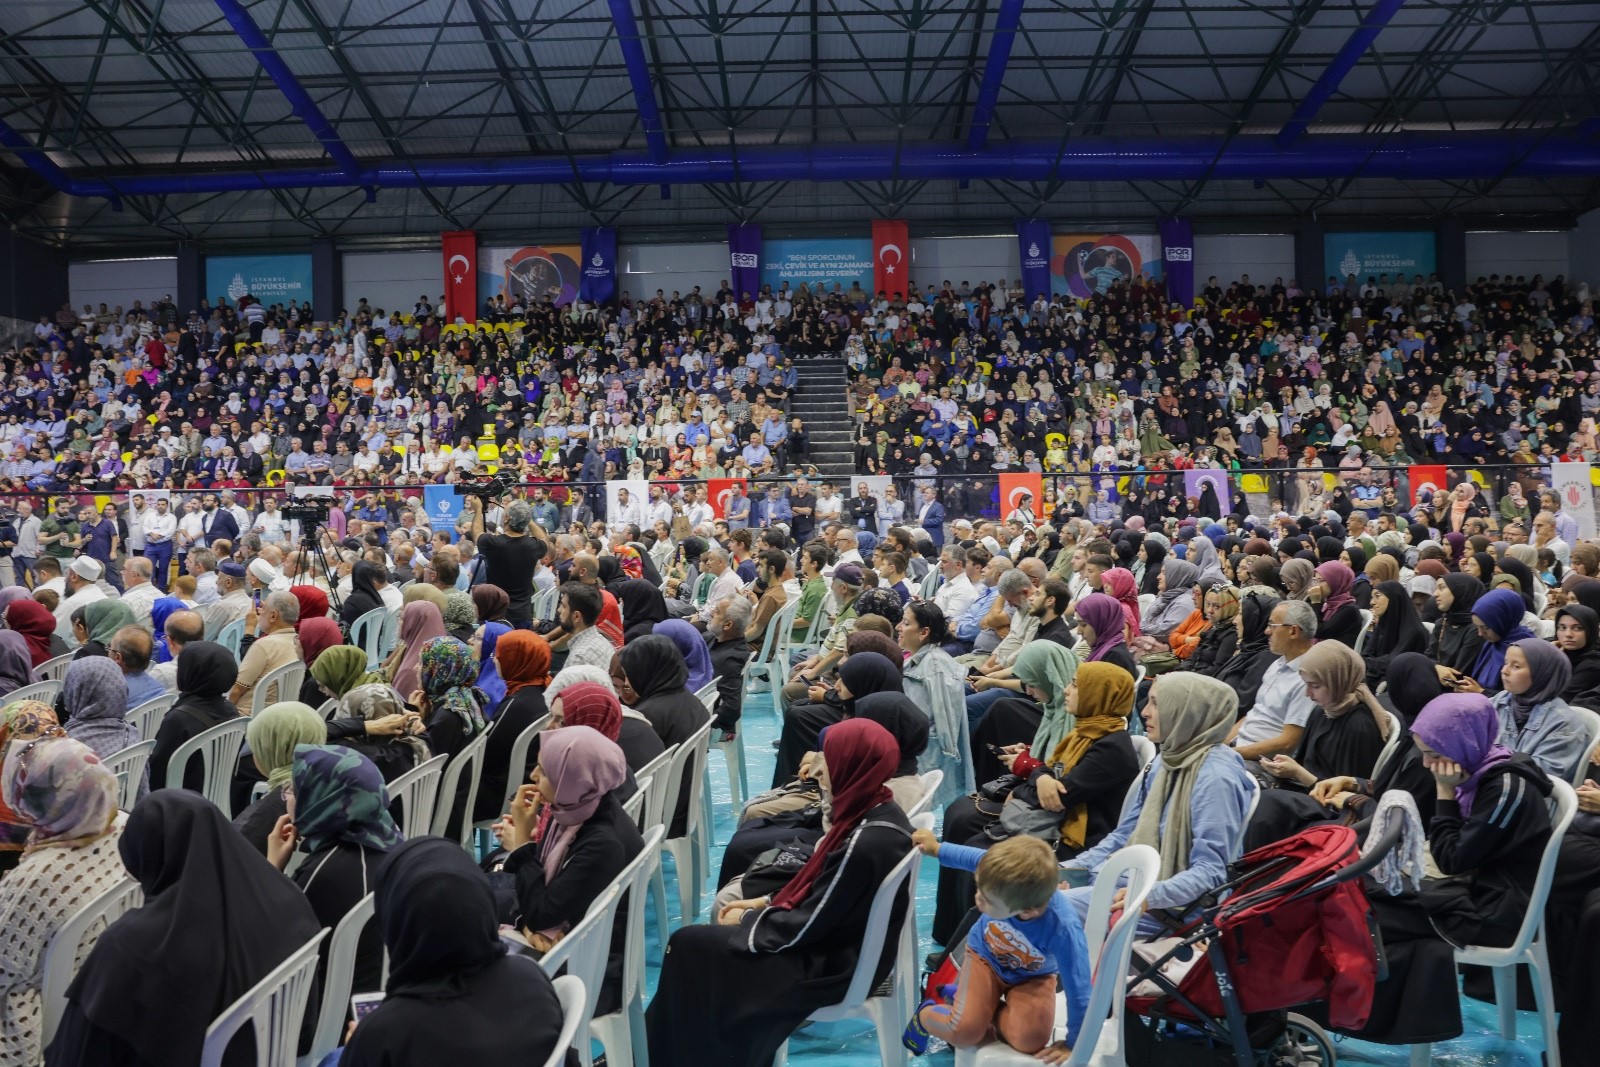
417	790
1100	1037
890	1013
570	992
1143	748
274	1007
758	676
1547	628
1591	729
54	670
732	758
277	685
621	1033
1366	628
931	781
365	634
146	718
1529	947
1391	744
688	770
517	763
45	692
231	636
128	765
583	952
60	963
218	749
1145	600
468	761
658	795
634	805
337	979
389	633
328	708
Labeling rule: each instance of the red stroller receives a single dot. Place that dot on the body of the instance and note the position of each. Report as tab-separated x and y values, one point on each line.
1295	929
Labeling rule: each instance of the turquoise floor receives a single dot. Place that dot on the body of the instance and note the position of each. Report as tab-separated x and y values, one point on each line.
853	1045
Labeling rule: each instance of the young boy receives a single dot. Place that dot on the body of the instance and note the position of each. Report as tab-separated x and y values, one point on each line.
1027	936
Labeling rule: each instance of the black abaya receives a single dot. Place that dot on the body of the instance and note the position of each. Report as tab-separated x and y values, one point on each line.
1009	721
656	670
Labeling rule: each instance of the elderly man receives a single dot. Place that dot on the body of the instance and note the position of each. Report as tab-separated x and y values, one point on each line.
725	583
232	602
956	592
182	628
995	680
82	585
131	649
1279	708
846	587
139	592
979	628
730	621
278	645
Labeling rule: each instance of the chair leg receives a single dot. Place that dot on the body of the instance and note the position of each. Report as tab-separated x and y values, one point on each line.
781	1057
618	1043
736	773
1505	999
658	890
641	1041
1421	1055
1545	997
884	1011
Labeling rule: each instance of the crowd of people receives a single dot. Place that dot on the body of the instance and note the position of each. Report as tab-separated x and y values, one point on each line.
1322	663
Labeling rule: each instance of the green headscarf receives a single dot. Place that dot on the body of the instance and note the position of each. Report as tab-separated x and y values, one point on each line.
275	732
459	612
104	618
1048	666
340	668
1195	714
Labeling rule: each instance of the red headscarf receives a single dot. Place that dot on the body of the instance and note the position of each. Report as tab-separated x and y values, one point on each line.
861	757
317	635
1119	585
1338	579
313	605
593	705
610	622
524	659
34	622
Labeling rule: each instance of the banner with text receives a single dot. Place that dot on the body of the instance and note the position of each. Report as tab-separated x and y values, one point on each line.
744	258
599	278
460	248
1013	487
891	257
1427	478
717	492
529	274
1177	259
444	508
1572	484
1084	264
819	263
1033	245
269	279
1374	252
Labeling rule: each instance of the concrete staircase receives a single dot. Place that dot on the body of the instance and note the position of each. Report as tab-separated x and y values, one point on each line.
819	400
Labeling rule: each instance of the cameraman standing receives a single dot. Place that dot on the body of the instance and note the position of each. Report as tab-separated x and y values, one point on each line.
510	558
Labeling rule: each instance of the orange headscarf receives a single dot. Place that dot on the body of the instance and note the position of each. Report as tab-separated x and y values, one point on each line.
524	660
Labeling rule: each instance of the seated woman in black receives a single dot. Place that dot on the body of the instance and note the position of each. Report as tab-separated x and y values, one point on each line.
1578	635
1341	619
1396	630
1243	671
657	673
1347	728
1490	825
206	673
731	993
522	659
1455	641
449	971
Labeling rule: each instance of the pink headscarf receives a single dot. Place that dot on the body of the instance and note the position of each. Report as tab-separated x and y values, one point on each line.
1339	579
583	765
1119	585
420	622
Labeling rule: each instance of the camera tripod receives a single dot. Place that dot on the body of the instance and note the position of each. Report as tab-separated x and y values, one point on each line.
311	545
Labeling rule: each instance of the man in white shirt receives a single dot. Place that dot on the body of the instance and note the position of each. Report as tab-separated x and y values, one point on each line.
660	507
232	601
697	511
626	511
81	578
138	508
26	554
1274	724
829	506
230	504
955	593
202	566
160	528
138	591
191	526
726	584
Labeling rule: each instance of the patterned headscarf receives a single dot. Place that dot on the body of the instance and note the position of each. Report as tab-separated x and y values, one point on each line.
449	670
1119	585
339	795
60	789
375	700
96	700
460	613
25	720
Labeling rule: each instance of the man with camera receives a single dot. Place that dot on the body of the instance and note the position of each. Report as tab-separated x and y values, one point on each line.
509	558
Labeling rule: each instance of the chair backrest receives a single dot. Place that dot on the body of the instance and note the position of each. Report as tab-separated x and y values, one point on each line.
61	956
707	695
1141	865
1145	600
274	1007
660	790
930	583
1366	628
128	765
389	632
328	708
146	718
780	631
45	692
583	949
634	881
515	767
572	995
1391	744
634	805
54	669
338	976
1564	805
1591	730
931	781
1143	748
218	749
468	761
417	790
1249	813
690	759
231	636
545	603
279	684
365	632
874	940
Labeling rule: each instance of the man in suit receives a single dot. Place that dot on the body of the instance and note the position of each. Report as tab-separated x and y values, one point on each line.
930	516
215	523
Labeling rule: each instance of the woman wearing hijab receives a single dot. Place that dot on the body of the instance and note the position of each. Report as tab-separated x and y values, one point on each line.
1455	642
587	842
1037	719
1527	586
420	623
16	663
272	737
1155	555
1085	777
877	668
523	663
377	724
1497	615
316	637
491	602
1487	836
1578	635
160	611
1298	576
424	591
450	705
364	595
340	820
37	626
206	673
1190	803
102	619
1220	638
24	720
95	697
1340	618
1396	630
67	801
1100	626
460	615
643	607
635	736
1203	557
313	604
1118	584
216	919
339	669
1174	599
1534	719
769	962
696	657
656	672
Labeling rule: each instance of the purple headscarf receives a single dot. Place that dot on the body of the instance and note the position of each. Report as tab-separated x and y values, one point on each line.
1104	614
695	654
1463	727
11	593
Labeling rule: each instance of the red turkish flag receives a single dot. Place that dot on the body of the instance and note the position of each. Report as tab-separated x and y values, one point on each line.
717	490
1432	477
891	258
1012	489
460	275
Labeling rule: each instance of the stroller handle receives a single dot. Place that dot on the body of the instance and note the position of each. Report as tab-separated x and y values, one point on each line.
1363	864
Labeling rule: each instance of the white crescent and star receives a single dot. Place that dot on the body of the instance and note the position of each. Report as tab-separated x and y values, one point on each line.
883	257
1018	492
450	266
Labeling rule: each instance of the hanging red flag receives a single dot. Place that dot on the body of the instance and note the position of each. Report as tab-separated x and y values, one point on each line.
891	258
460	275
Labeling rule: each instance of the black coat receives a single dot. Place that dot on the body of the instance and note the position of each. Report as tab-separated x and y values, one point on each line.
675	716
1344	625
516	713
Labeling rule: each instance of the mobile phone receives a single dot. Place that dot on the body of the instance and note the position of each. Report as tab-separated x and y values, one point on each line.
362	1004
992	748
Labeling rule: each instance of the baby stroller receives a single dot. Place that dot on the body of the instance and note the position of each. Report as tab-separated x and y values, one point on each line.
1295	929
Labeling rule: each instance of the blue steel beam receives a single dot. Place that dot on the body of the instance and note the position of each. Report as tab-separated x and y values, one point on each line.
300	101
644	94
35	158
1453	156
1342	64
994	73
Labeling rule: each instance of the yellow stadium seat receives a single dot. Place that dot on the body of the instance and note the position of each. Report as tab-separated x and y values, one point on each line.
400	449
1055	440
1253	483
491	467
446	450
127	457
1478	479
275	477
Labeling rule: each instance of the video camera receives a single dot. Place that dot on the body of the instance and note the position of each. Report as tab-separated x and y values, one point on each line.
486	487
310	510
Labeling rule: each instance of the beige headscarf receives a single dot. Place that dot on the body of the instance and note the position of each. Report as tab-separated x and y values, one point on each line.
1195	714
1297	575
1339	669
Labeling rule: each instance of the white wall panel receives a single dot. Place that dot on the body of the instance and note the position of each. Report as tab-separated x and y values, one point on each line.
1509	252
391	280
936	260
1230	256
644	268
119	282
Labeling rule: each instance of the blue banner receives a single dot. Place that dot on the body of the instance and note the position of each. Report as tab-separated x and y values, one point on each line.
820	263
1177	256
1033	245
744	259
444	508
1371	253
269	279
598	282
